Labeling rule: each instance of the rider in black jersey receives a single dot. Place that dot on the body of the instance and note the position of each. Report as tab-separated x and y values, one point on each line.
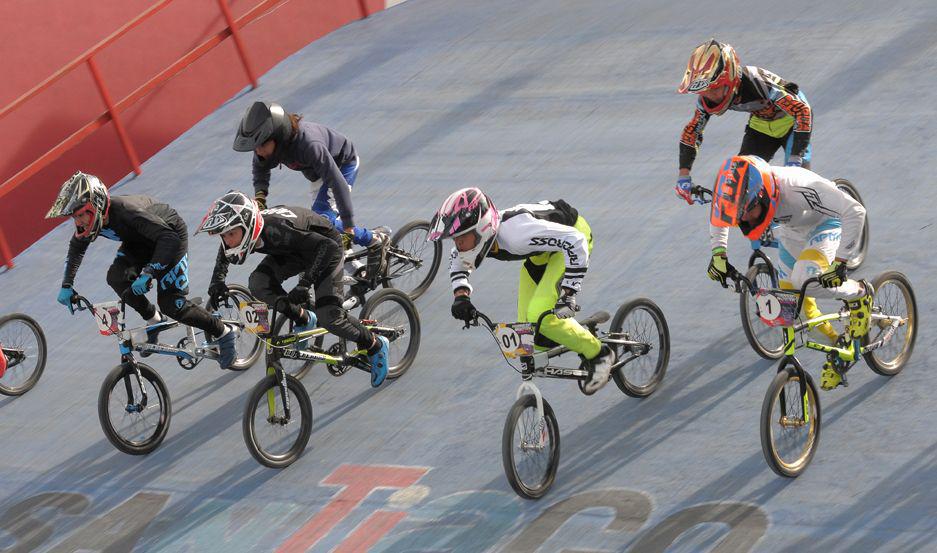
153	247
296	241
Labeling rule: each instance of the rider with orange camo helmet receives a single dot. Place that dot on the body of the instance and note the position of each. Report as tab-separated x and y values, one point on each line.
780	115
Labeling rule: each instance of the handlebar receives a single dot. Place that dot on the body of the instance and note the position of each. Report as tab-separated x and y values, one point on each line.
699	194
491	326
740	279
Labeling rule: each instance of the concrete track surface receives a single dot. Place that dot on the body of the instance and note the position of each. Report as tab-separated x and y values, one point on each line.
531	100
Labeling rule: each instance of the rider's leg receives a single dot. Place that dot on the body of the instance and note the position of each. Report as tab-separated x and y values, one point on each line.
121	274
266	284
786	244
172	286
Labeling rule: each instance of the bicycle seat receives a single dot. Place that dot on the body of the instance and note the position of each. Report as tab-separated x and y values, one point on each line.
596	318
197	300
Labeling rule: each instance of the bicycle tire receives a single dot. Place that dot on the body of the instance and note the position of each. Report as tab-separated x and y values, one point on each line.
121	374
755	330
789	375
412	246
249	428
629	386
372	309
859	258
531	490
253	342
39	350
893	367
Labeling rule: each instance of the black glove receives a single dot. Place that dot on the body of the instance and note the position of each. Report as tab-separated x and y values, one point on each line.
720	268
565	305
299	295
260	198
462	308
217	293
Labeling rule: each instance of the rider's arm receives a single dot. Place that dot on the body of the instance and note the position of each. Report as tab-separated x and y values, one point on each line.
525	234
803	121
836	203
317	155
458	274
718	237
76	252
691	139
320	254
152	227
220	272
261	172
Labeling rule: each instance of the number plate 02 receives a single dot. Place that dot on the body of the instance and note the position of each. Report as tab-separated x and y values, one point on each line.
254	316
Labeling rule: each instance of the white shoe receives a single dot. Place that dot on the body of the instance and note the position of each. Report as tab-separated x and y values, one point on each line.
601	369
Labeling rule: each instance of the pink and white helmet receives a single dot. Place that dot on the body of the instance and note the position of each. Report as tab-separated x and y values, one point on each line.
468	210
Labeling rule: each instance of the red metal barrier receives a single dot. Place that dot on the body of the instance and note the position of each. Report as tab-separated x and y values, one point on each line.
112	114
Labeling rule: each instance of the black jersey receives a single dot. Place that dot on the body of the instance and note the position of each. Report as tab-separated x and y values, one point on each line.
142	224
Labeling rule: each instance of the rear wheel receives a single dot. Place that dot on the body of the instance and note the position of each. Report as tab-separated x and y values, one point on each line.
24	353
850	188
641	320
277	439
790	422
895	297
412	261
767	341
530	465
394	312
133	422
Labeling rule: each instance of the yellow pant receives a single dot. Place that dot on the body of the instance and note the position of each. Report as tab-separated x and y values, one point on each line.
537	292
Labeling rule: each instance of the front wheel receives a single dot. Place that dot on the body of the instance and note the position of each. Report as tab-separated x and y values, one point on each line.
412	261
248	345
767	341
277	425
895	297
396	318
642	321
23	346
530	448
134	409
850	189
790	422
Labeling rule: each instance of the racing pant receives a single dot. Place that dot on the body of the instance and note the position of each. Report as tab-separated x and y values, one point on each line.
324	204
759	143
172	286
266	284
815	251
537	292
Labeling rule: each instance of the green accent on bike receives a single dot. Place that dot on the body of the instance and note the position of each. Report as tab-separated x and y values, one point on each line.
806	402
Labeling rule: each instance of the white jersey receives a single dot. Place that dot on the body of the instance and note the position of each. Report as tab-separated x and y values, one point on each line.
530	229
806	201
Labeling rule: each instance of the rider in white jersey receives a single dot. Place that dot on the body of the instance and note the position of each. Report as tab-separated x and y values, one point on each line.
819	228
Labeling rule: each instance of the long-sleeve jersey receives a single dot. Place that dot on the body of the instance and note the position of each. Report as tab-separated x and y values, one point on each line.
767	97
806	200
318	152
296	233
140	223
530	229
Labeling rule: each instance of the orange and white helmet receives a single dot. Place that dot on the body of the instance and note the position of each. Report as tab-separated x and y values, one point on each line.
712	65
742	183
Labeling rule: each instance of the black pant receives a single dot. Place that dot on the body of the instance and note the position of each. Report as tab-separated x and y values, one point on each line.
172	286
266	284
755	143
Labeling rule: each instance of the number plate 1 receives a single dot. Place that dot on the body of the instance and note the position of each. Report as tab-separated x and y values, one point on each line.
254	315
515	339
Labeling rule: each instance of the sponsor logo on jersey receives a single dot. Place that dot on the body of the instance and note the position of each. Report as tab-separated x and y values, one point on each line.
557	243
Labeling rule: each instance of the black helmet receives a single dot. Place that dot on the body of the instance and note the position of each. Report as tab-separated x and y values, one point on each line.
261	122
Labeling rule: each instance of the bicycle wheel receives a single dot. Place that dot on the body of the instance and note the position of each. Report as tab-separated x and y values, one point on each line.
893	296
530	467
412	261
391	308
850	188
767	341
24	347
134	425
642	321
249	346
788	437
273	438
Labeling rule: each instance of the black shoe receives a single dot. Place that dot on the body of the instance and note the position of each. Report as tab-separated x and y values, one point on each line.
377	253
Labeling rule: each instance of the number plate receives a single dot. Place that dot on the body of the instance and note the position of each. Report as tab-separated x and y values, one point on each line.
776	307
109	317
254	315
515	339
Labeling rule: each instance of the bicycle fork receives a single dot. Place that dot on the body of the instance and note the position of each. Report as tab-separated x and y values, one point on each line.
786	420
525	388
133	407
280	375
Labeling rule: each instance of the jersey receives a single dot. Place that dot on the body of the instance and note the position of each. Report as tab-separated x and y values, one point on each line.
530	229
806	200
295	233
769	99
141	224
317	152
